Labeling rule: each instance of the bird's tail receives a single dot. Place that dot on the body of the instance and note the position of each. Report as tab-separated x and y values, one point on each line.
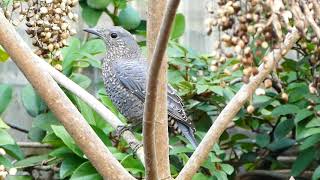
188	133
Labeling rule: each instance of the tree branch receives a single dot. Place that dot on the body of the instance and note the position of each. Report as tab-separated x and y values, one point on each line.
310	19
233	107
152	86
316	7
155	15
60	105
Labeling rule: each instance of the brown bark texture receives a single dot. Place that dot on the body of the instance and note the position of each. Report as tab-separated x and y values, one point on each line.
155	112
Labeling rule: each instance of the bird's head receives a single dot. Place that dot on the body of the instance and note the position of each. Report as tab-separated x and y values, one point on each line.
119	42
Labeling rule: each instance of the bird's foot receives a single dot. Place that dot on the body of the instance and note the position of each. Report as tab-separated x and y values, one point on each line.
135	146
121	129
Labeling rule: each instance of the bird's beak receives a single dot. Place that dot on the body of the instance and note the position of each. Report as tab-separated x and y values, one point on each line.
92	31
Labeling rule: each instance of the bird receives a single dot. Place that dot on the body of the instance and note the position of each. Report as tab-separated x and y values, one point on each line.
125	74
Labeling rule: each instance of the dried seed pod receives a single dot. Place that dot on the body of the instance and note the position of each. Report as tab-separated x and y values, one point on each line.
284	97
267	83
250	109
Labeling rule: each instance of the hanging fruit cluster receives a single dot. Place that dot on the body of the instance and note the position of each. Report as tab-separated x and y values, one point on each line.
248	29
246	32
49	24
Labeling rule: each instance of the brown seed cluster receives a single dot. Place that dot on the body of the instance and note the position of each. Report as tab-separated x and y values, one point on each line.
246	32
49	24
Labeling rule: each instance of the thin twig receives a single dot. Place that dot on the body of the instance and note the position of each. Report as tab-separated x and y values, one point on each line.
33	145
233	107
92	146
310	19
152	86
316	7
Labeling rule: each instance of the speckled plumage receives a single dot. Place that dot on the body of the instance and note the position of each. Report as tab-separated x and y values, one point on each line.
124	72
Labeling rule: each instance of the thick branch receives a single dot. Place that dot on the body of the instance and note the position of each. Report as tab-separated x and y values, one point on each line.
155	15
152	86
233	107
104	112
59	104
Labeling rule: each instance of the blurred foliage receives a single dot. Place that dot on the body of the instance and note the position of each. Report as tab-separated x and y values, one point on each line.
254	141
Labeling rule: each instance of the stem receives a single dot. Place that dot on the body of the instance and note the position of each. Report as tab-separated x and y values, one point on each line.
150	108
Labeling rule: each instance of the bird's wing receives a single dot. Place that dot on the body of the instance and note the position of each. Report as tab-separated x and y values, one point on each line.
133	76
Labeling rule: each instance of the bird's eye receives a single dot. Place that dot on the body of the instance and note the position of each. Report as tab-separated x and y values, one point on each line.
114	35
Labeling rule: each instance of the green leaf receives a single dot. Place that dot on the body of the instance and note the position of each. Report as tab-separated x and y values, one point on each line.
32	102
316	174
303	161
315	122
82	80
85	172
14	151
217	89
85	110
303	132
132	164
3	125
92	60
5	96
44	121
98	4
179	26
5	138
51	138
262	140
61	152
68	165
94	46
309	142
70	54
283	128
61	132
221	175
227	168
31	161
36	134
301	115
90	16
3	55
281	144
285	109
6	162
201	88
200	176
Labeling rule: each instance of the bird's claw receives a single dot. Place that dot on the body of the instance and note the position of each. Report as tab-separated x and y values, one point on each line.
121	129
135	146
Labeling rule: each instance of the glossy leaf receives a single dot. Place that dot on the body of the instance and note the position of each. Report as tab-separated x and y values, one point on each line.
179	26
85	172
32	102
5	96
66	138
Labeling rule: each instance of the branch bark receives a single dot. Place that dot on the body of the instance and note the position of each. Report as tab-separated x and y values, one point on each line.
310	19
155	15
61	106
233	107
152	86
